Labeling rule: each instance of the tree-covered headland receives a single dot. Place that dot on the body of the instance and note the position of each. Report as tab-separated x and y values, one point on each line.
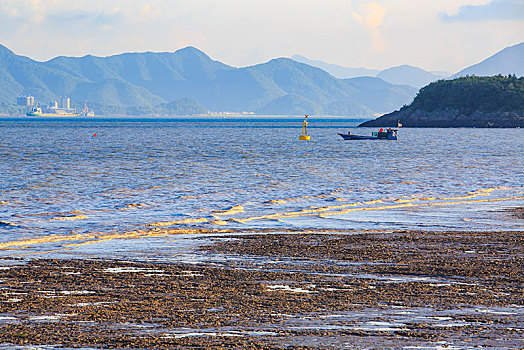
470	101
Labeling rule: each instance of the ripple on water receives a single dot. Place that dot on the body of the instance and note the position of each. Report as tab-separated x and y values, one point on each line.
172	174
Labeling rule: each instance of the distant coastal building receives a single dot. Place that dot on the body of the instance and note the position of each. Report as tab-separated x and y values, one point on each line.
60	108
25	101
65	102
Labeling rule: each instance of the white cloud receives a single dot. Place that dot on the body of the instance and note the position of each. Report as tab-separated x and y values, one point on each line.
499	10
370	14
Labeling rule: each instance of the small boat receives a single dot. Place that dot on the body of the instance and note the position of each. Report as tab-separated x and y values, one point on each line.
389	134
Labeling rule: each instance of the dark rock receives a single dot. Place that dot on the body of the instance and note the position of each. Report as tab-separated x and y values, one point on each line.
448	119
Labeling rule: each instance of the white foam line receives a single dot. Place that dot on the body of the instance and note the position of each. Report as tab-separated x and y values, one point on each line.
130	269
202	334
437	347
281	287
44	318
69	292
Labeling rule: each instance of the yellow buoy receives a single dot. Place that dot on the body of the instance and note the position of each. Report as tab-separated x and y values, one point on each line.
304	136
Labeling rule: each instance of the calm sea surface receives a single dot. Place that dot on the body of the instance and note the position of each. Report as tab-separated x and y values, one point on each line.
144	176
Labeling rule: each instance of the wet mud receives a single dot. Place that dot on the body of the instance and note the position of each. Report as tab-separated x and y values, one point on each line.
382	290
517	212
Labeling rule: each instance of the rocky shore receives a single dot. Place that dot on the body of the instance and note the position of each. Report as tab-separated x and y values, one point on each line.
380	290
451	118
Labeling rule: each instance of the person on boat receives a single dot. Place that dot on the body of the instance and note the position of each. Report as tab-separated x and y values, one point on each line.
349	132
381	130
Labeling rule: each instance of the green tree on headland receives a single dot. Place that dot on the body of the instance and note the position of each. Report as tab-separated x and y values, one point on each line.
471	93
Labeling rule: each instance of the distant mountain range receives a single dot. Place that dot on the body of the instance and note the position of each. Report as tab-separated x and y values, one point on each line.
409	75
401	75
505	62
188	81
146	80
337	71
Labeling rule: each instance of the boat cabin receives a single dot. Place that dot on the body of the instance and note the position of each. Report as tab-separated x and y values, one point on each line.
385	134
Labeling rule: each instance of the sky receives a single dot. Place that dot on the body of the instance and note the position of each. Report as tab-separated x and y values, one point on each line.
436	35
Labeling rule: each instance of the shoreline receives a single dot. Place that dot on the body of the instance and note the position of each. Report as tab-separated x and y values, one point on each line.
301	291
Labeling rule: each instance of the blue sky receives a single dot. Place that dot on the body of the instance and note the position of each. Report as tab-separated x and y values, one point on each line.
445	35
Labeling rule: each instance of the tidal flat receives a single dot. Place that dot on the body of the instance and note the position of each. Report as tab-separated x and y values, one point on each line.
307	290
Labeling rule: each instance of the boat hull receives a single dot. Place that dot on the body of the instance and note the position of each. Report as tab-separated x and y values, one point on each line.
33	114
359	137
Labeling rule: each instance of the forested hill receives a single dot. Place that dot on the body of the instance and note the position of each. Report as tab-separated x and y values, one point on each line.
469	101
188	80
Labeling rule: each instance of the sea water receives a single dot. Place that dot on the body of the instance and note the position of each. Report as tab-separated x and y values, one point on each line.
102	179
